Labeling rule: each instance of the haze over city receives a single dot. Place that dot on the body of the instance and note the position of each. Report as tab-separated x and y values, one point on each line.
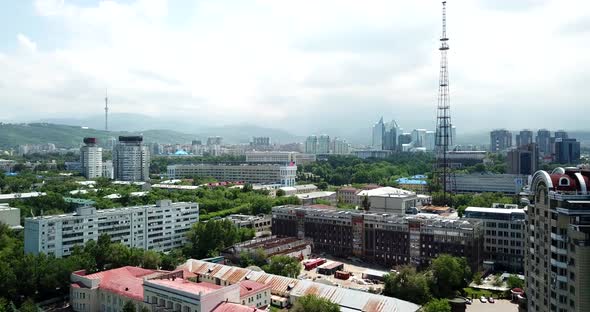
302	66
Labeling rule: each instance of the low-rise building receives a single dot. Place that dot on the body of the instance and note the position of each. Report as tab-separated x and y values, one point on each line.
389	199
299	189
283	174
10	216
314	197
159	227
509	184
280	157
271	246
261	224
347	195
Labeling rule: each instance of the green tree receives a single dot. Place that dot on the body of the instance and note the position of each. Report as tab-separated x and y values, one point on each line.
28	306
408	285
477	278
283	265
129	307
323	186
514	282
208	239
248	258
144	309
313	303
151	260
247	188
437	305
280	193
449	274
366	203
172	259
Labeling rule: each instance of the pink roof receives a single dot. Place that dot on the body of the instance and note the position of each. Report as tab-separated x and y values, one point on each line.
126	281
248	288
233	307
186	285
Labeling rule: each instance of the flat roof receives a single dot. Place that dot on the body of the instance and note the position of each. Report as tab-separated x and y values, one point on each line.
187	286
495	210
315	195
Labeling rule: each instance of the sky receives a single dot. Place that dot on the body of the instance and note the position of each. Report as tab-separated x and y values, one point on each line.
303	66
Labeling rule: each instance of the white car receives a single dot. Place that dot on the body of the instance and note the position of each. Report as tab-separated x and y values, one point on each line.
483	299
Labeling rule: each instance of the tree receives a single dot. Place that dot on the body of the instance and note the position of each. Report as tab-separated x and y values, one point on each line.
247	188
28	306
144	309
209	238
366	203
408	285
323	186
514	282
313	303
256	257
437	305
498	282
280	193
449	275
477	278
283	265
151	260
129	307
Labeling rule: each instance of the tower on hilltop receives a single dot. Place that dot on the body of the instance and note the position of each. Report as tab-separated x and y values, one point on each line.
443	175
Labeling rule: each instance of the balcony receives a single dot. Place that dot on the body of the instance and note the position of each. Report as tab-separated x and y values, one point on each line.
559	264
558	237
560	251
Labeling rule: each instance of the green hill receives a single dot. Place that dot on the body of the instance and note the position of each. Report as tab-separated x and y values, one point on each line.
12	135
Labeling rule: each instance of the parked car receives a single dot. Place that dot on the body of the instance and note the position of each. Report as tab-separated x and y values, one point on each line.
491	300
467	300
483	299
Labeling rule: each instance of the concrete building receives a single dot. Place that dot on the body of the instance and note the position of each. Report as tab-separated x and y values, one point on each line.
388	200
260	141
403	139
323	144
523	160
107	170
249	173
311	144
348	195
504	235
459	159
280	157
131	159
430	140
385	239
261	224
567	151
377	138
561	134
299	189
91	159
159	227
366	154
10	216
415	183
500	140
214	140
272	246
339	147
473	183
524	138
313	197
543	141
390	135
418	137
557	262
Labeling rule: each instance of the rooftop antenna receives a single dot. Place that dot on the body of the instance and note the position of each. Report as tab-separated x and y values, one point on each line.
106	110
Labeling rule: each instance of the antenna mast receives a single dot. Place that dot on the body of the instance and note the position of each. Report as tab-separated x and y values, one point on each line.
106	110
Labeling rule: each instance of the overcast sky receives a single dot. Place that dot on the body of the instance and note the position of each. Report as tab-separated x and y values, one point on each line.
299	65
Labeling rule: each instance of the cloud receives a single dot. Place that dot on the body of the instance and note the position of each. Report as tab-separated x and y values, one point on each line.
26	43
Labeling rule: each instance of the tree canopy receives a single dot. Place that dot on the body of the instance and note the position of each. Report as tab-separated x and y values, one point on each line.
313	303
208	239
449	274
408	285
437	305
283	265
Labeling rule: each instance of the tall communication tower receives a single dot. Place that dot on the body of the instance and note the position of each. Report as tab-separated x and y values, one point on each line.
106	111
444	138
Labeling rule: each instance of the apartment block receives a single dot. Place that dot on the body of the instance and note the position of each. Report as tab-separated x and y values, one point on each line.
131	159
159	227
91	159
239	172
280	157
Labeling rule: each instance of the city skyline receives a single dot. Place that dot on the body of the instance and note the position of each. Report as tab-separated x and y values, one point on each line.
167	60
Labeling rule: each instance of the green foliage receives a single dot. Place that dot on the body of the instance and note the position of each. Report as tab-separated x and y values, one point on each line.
313	303
257	258
208	239
514	282
129	307
408	285
462	201
280	193
283	265
449	274
437	305
28	306
498	282
477	278
366	203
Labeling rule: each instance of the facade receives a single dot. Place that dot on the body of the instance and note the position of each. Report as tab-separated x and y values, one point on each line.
108	170
523	160
272	246
299	189
561	134
366	154
323	144
91	159
543	141
339	147
249	173
510	184
260	223
557	262
418	137
311	144
313	197
159	227
131	159
214	140
390	135
389	200
415	184
524	138
348	195
567	151
9	216
260	141
504	234
382	238
458	159
377	138
500	140
280	157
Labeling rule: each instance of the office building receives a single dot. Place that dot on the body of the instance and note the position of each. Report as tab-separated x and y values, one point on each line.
523	160
567	151
385	239
323	144
561	134
91	159
390	136
429	140
280	157
366	154
474	183
377	138
159	227
504	235
403	140
260	141
339	147
524	137
311	145
500	140
107	170
131	159
543	141
557	261
418	137
459	159
214	140
283	174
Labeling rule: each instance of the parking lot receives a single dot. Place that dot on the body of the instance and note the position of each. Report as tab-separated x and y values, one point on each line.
497	306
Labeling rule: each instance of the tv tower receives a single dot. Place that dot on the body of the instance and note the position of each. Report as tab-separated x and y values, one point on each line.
443	118
106	110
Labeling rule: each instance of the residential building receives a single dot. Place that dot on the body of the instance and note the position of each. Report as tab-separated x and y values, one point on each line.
131	159
504	235
311	145
430	140
567	151
214	140
260	224
159	227
347	195
260	141
523	160
323	144
280	157
388	200
557	261
314	197
10	216
378	131
91	159
238	172
285	291
524	138
390	134
500	140
107	170
470	183
385	239
339	147
543	141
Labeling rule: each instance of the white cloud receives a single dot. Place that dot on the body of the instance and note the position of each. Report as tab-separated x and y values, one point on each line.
26	43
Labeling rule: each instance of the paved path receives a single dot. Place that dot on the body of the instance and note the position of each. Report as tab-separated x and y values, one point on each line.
497	306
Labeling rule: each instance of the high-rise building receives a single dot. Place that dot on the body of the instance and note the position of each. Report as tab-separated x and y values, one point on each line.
567	151
418	137
131	159
260	141
429	140
453	136
543	141
390	136
500	140
340	147
404	139
523	159
524	137
311	145
107	170
557	261
91	159
561	134
215	140
323	144
378	130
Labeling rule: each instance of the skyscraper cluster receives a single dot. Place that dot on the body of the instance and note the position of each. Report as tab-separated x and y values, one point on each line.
323	145
559	148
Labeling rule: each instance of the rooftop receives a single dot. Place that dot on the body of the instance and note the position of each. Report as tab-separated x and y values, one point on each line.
315	195
234	307
126	281
495	210
201	288
386	191
248	288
